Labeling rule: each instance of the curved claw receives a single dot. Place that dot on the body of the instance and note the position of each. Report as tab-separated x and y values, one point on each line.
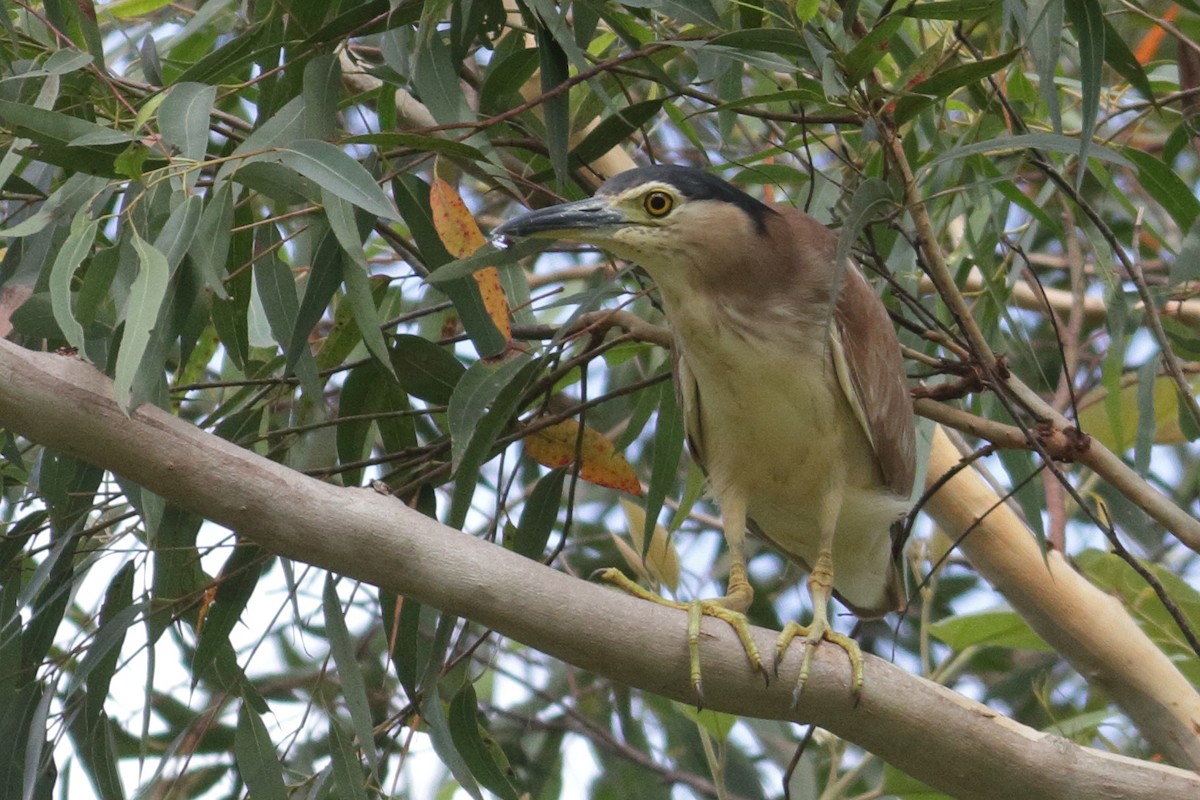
810	637
697	610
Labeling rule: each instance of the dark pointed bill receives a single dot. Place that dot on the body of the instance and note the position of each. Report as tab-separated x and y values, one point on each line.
545	223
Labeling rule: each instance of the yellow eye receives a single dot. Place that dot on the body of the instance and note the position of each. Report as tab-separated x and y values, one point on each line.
658	203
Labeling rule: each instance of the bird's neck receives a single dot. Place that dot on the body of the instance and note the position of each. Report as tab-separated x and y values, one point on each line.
699	315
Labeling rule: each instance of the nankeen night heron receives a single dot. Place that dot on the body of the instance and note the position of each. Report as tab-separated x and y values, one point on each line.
792	384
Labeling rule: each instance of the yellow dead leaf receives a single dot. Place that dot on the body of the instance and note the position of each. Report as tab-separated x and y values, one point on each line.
494	299
455	225
661	562
461	236
601	464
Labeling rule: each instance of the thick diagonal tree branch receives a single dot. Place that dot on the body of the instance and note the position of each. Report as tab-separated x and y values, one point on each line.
954	744
1087	627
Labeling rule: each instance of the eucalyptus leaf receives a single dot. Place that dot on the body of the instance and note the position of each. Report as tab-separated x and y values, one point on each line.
335	171
257	761
72	253
345	656
146	298
183	119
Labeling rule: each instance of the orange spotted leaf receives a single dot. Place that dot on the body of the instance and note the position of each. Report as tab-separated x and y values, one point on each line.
494	299
455	225
461	236
602	465
206	601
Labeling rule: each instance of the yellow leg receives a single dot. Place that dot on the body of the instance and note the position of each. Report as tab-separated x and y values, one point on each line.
820	589
731	608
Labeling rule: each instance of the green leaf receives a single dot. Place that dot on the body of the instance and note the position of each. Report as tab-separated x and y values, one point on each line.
716	723
427	371
230	316
555	110
210	246
482	406
1110	572
176	235
766	40
102	136
868	51
277	291
332	169
60	62
951	9
443	743
475	393
183	120
487	256
50	590
467	736
76	247
539	516
945	83
345	657
666	450
1085	724
417	143
1166	187
1088	20
95	743
369	392
282	128
1146	423
358	289
347	770
412	196
54	134
989	628
1120	58
258	763
236	583
1044	37
322	90
897	784
1052	142
505	77
100	661
324	277
615	129
1187	263
410	647
869	197
435	77
232	58
141	315
128	9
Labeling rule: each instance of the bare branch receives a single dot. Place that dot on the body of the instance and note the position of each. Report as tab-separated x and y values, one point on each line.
954	744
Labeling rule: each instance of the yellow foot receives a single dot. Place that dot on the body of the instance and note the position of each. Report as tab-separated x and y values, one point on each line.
811	637
697	610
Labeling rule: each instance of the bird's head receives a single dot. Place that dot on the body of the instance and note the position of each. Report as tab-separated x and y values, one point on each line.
662	217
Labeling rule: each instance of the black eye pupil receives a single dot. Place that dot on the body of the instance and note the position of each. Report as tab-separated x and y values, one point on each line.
658	203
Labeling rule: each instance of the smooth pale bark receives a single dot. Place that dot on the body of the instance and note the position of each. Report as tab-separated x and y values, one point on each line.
1089	628
957	746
